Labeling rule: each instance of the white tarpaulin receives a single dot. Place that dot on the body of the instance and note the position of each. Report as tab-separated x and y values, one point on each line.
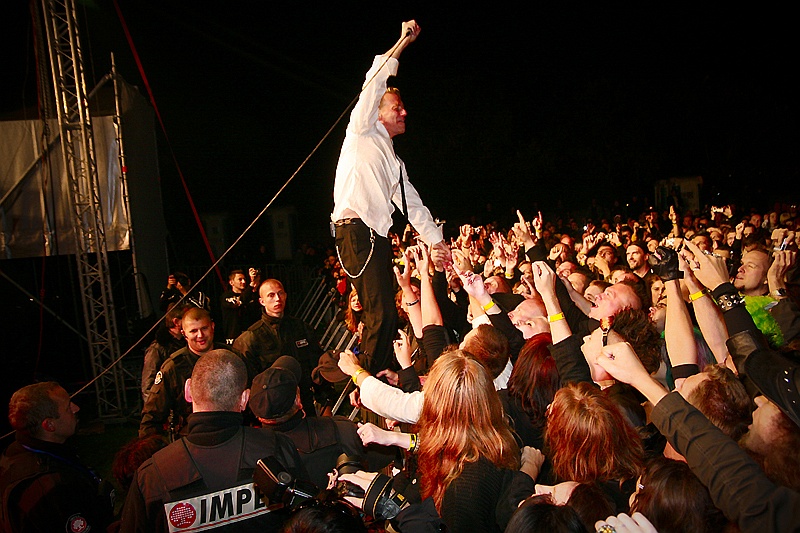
36	211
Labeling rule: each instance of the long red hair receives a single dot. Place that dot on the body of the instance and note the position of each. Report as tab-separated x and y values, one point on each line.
462	421
589	439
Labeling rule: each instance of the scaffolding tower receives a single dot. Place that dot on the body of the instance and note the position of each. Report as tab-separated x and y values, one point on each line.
77	147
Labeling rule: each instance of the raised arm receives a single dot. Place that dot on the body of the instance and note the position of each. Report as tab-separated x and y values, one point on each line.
409	297
678	331
408	34
708	315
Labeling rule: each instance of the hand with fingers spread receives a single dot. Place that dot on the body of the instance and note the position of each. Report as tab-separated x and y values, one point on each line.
460	260
423	260
404	276
465	235
497	247
709	269
512	256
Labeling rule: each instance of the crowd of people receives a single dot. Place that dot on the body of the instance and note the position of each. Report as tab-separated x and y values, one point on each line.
635	372
633	377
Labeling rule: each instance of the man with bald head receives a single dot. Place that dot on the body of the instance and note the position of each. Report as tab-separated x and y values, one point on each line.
205	480
278	334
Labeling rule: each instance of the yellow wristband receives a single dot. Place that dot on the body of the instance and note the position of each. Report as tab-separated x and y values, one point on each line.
488	306
555	318
697	295
355	376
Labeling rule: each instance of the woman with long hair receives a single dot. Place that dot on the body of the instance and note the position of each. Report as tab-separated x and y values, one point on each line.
589	440
531	387
675	500
468	459
352	313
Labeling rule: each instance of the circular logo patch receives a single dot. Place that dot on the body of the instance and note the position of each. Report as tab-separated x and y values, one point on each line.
77	524
182	515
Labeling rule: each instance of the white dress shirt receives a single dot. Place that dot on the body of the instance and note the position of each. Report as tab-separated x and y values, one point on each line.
368	173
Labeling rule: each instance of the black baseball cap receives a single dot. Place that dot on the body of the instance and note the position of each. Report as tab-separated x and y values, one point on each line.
273	391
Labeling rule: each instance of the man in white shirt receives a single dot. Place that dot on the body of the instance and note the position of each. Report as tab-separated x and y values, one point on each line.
368	180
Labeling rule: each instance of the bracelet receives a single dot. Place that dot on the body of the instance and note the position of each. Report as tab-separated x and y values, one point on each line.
488	306
697	295
411	304
727	302
355	376
414	443
509	276
555	318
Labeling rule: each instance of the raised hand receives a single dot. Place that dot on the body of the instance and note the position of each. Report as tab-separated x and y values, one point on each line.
473	283
621	362
523	231
544	279
416	252
776	275
404	276
402	350
708	268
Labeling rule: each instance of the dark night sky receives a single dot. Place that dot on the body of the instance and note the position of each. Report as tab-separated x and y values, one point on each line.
557	103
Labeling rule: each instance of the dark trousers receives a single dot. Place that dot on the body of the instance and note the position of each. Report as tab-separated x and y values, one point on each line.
375	288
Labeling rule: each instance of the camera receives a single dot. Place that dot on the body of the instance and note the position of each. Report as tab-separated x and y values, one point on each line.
280	487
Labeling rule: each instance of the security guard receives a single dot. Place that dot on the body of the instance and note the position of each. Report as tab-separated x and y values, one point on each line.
166	409
275	400
205	480
277	334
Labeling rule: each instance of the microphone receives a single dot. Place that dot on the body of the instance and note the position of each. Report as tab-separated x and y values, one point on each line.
409	32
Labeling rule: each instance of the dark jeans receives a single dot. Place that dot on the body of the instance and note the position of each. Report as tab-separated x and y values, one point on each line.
375	287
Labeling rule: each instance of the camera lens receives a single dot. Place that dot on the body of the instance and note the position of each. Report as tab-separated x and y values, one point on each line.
349	464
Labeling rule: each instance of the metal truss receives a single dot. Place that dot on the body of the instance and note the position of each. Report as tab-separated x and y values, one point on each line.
80	166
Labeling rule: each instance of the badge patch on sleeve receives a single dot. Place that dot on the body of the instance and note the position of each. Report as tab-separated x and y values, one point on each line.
158	378
301	343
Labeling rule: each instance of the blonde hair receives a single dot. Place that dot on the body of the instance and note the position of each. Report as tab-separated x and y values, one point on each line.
462	420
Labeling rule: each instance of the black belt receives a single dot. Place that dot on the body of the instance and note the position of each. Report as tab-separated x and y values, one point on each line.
347	222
